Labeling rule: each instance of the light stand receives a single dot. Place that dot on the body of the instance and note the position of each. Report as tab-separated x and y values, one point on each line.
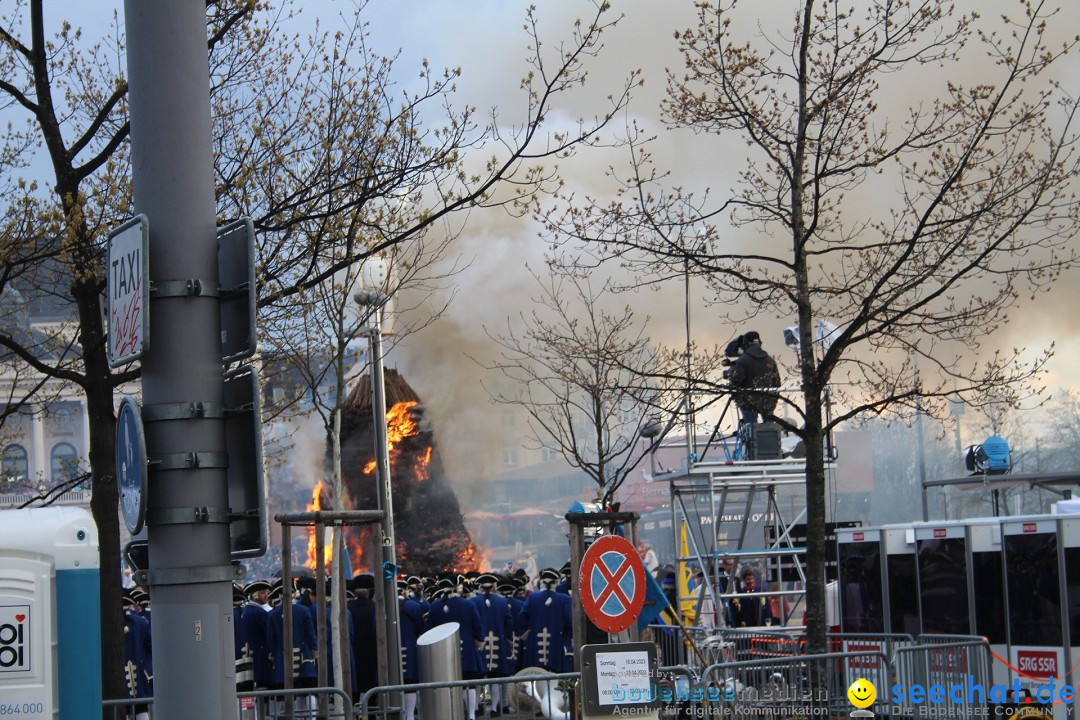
374	301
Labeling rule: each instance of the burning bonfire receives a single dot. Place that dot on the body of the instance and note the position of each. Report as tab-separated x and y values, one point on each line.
431	535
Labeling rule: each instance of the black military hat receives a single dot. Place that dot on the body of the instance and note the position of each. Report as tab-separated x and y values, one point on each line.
238	596
472	574
364	581
140	596
487	580
414	580
349	595
255	586
276	589
550	575
565	569
127	597
507	588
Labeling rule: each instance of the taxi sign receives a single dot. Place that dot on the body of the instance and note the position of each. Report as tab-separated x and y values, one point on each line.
128	294
612	582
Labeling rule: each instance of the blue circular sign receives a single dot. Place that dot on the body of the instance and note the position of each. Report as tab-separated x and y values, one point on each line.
131	464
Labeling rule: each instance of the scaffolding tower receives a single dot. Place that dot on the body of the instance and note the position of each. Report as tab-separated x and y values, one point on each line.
734	509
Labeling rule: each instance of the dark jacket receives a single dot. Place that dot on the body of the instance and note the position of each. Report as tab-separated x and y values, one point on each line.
755	368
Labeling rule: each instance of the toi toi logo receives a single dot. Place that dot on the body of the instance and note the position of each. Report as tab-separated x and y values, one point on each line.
14	638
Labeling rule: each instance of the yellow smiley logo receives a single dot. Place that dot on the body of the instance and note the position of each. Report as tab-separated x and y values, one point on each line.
862	693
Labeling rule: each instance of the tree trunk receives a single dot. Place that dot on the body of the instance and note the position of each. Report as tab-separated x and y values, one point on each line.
814	440
104	502
815	467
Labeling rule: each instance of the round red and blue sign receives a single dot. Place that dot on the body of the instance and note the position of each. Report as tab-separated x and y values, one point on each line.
612	583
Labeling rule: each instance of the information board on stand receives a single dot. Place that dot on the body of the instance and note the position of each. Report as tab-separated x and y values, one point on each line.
620	679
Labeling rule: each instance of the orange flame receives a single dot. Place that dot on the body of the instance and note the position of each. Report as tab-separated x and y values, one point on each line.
472	558
357	541
399	425
328	550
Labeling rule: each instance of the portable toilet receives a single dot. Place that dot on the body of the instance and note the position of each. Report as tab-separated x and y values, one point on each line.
50	627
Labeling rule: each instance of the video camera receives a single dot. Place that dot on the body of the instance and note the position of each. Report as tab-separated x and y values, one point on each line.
733	350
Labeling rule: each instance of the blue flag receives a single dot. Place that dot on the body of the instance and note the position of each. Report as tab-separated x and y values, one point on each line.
655	602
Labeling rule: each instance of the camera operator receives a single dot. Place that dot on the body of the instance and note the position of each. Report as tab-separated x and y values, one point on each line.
754	369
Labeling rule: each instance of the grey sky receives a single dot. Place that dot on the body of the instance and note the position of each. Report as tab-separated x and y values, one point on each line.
486	39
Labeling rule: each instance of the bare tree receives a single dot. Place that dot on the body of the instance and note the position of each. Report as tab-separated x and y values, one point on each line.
303	137
316	343
65	99
586	377
1064	421
319	130
916	231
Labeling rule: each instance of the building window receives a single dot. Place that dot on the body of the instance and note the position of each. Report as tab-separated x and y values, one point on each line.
64	462
510	455
15	463
549	455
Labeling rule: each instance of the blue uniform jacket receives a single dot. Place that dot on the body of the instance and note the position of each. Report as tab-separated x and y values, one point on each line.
243	647
138	665
304	643
411	616
547	627
498	634
255	619
457	609
516	606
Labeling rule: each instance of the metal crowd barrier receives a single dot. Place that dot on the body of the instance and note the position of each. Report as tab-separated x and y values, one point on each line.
956	667
787	685
547	695
671	643
723	645
759	644
536	690
888	643
255	705
127	708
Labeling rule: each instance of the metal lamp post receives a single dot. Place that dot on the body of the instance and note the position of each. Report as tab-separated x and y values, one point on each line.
373	301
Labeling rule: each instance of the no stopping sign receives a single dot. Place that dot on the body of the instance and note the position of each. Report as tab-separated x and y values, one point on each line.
612	583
